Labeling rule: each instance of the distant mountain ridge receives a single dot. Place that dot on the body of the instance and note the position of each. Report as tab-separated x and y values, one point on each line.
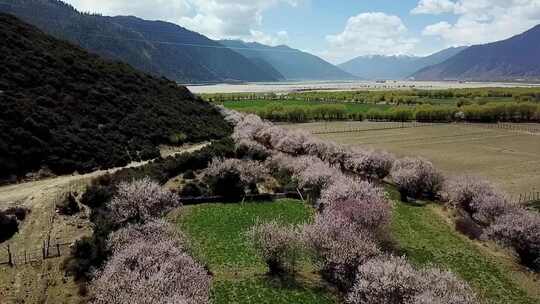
291	63
513	59
160	48
394	67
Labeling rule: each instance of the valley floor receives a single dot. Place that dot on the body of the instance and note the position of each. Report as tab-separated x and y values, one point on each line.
508	158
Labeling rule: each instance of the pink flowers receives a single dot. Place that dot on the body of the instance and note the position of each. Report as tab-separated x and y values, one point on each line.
348	188
141	201
520	230
393	280
417	177
478	198
279	246
151	272
339	247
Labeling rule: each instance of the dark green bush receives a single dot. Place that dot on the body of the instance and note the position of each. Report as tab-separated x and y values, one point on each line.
8	226
69	206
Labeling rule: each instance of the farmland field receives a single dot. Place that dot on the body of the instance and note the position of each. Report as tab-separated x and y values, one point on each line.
508	158
218	231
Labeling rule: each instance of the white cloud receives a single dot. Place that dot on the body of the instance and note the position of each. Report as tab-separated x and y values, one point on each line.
435	7
480	21
218	19
367	34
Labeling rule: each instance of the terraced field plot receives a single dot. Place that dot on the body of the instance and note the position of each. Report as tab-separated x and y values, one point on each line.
509	158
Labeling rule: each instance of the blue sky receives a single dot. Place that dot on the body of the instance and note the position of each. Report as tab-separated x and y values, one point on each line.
339	30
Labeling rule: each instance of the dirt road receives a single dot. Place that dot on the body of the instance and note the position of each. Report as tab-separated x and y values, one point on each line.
44	282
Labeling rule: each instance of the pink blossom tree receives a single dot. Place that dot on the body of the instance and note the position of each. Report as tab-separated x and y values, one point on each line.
348	188
140	201
278	245
520	230
416	177
151	272
369	164
152	232
479	198
392	280
338	247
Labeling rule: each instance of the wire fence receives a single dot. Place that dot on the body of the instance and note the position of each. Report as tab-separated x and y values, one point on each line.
51	246
372	127
522	128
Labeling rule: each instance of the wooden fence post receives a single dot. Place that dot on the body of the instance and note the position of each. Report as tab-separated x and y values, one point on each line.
10	260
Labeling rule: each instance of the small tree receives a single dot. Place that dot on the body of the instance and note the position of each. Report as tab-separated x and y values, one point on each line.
479	198
520	230
152	232
392	280
141	201
151	272
369	164
416	178
348	188
339	247
232	178
279	246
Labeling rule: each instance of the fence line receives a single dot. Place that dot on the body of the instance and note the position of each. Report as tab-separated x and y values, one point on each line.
51	246
528	198
506	126
392	126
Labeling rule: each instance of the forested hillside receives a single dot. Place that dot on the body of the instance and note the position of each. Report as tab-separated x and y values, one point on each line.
69	110
155	47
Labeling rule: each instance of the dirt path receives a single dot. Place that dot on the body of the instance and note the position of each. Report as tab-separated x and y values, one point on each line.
44	282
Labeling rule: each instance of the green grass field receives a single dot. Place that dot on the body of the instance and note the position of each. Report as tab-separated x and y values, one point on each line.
217	234
427	239
424	235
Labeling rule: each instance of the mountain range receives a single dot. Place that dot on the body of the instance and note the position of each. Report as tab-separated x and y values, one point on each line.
159	48
166	49
291	63
394	67
513	59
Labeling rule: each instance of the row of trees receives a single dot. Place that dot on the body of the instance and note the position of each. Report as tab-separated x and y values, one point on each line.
149	260
487	113
349	238
488	208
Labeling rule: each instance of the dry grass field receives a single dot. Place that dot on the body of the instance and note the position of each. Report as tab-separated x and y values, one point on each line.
509	158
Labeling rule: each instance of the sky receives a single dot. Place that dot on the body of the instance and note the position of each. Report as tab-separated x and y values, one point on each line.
339	30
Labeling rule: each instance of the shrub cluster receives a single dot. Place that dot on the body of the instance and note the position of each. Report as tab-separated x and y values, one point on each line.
69	206
90	253
9	221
